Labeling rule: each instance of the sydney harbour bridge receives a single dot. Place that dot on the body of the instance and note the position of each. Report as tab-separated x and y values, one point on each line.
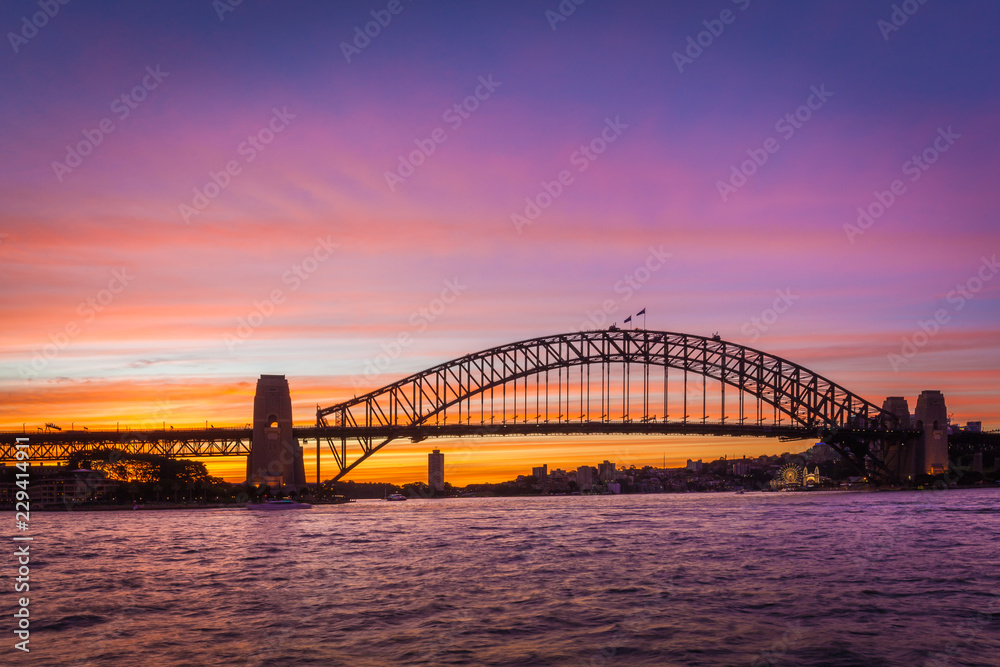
610	382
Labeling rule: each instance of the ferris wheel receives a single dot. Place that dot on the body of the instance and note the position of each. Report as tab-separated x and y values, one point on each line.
790	475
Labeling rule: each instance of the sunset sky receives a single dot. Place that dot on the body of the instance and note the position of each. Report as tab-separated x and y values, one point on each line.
193	194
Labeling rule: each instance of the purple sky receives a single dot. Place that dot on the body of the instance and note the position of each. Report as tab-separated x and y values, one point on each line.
326	132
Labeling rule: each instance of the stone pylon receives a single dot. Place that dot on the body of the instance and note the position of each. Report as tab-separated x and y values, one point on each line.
904	463
275	455
931	417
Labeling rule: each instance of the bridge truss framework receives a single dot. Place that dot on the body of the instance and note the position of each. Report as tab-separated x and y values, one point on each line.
610	382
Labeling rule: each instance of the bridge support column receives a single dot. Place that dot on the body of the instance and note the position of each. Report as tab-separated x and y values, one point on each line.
932	418
901	456
275	455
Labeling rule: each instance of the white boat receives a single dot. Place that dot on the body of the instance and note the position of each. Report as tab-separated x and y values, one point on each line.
283	504
395	496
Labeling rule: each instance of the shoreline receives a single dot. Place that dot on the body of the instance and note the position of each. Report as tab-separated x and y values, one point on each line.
243	506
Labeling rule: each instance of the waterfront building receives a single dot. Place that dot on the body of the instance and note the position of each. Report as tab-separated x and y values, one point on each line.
606	471
435	470
541	472
812	478
585	478
60	488
694	465
741	468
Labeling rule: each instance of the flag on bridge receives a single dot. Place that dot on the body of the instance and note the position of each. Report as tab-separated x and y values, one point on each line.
628	319
641	312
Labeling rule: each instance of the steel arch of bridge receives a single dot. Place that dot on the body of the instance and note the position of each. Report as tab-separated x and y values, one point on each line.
430	403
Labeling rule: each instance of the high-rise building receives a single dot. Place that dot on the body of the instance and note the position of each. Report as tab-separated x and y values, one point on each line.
541	473
606	471
585	478
694	465
435	470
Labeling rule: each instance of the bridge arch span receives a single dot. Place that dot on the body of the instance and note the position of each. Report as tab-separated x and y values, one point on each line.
450	399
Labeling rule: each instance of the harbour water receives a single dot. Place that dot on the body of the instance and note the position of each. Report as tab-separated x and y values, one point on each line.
906	578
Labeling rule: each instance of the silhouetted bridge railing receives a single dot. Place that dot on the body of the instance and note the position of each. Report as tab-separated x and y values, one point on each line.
178	443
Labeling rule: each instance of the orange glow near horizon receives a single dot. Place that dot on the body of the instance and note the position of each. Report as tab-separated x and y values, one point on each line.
498	459
153	403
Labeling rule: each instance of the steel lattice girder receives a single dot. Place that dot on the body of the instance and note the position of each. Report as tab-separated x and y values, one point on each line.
808	399
805	397
194	443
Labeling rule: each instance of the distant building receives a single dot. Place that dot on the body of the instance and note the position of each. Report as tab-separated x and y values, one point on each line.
813	478
585	478
974	427
694	465
63	488
650	485
435	470
606	471
741	468
541	473
614	487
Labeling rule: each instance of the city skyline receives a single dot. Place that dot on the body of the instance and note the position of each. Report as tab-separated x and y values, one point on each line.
179	221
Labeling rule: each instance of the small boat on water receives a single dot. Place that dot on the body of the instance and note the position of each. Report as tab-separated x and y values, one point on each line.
283	504
395	496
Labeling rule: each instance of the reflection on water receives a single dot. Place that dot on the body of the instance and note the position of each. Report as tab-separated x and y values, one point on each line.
693	579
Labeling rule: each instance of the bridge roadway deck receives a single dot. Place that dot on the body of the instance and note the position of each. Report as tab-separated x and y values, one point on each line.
211	442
